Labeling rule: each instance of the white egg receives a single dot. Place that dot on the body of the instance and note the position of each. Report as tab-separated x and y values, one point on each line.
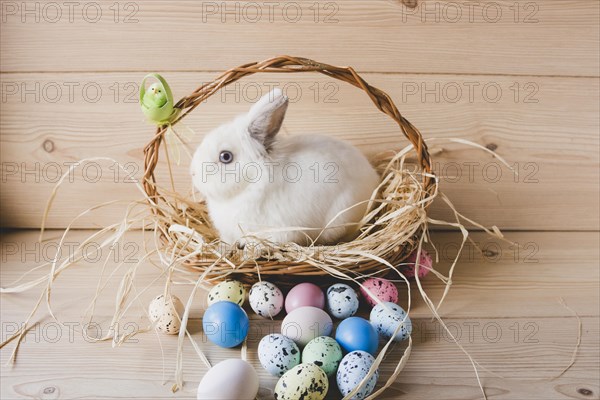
385	318
166	314
352	370
306	323
266	299
229	379
278	354
342	301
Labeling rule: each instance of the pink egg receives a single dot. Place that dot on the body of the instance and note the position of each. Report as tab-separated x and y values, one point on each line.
304	295
425	264
381	288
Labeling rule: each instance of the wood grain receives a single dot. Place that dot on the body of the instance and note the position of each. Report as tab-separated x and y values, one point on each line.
506	310
547	128
523	83
500	37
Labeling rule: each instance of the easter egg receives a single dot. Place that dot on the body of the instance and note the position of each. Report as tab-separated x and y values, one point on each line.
379	288
225	324
356	333
306	323
266	299
303	295
227	291
354	367
386	317
166	314
229	379
324	352
342	301
304	381
409	265
278	354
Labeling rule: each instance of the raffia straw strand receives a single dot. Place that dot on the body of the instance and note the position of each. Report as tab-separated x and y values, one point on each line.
577	344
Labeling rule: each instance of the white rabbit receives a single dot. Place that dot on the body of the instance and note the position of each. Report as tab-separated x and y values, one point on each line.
259	184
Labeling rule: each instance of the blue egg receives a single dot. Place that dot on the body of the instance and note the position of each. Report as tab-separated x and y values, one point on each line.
225	324
357	333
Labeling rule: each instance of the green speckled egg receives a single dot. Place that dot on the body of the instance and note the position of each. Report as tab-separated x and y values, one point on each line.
304	381
324	352
227	291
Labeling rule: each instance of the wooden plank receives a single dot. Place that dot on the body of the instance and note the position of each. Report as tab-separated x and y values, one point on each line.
499	37
547	128
536	265
504	308
137	370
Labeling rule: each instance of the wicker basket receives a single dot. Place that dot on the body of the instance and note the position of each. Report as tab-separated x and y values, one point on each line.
281	269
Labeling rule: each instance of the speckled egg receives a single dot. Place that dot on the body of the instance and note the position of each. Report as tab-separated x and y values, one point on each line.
381	288
342	301
385	318
324	352
266	299
409	265
353	368
227	291
166	314
278	354
304	381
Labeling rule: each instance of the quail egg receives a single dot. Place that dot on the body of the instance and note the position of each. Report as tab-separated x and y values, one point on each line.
278	354
342	301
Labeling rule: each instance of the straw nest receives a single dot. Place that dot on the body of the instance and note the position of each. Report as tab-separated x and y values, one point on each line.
391	229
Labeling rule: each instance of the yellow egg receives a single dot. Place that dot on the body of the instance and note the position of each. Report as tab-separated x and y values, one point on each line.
304	381
233	291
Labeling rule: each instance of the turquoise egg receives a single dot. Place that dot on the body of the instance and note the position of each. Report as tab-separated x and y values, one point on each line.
324	352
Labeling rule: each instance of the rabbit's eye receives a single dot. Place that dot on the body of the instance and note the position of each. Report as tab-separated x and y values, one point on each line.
226	157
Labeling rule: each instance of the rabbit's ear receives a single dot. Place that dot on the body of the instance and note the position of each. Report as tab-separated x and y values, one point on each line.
266	117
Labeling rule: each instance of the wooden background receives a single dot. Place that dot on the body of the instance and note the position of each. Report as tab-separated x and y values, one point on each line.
519	77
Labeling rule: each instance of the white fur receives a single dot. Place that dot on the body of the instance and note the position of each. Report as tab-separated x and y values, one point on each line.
334	175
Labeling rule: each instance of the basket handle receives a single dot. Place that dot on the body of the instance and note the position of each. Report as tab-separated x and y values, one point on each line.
287	64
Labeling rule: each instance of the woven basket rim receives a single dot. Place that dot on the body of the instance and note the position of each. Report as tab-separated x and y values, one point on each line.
287	64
